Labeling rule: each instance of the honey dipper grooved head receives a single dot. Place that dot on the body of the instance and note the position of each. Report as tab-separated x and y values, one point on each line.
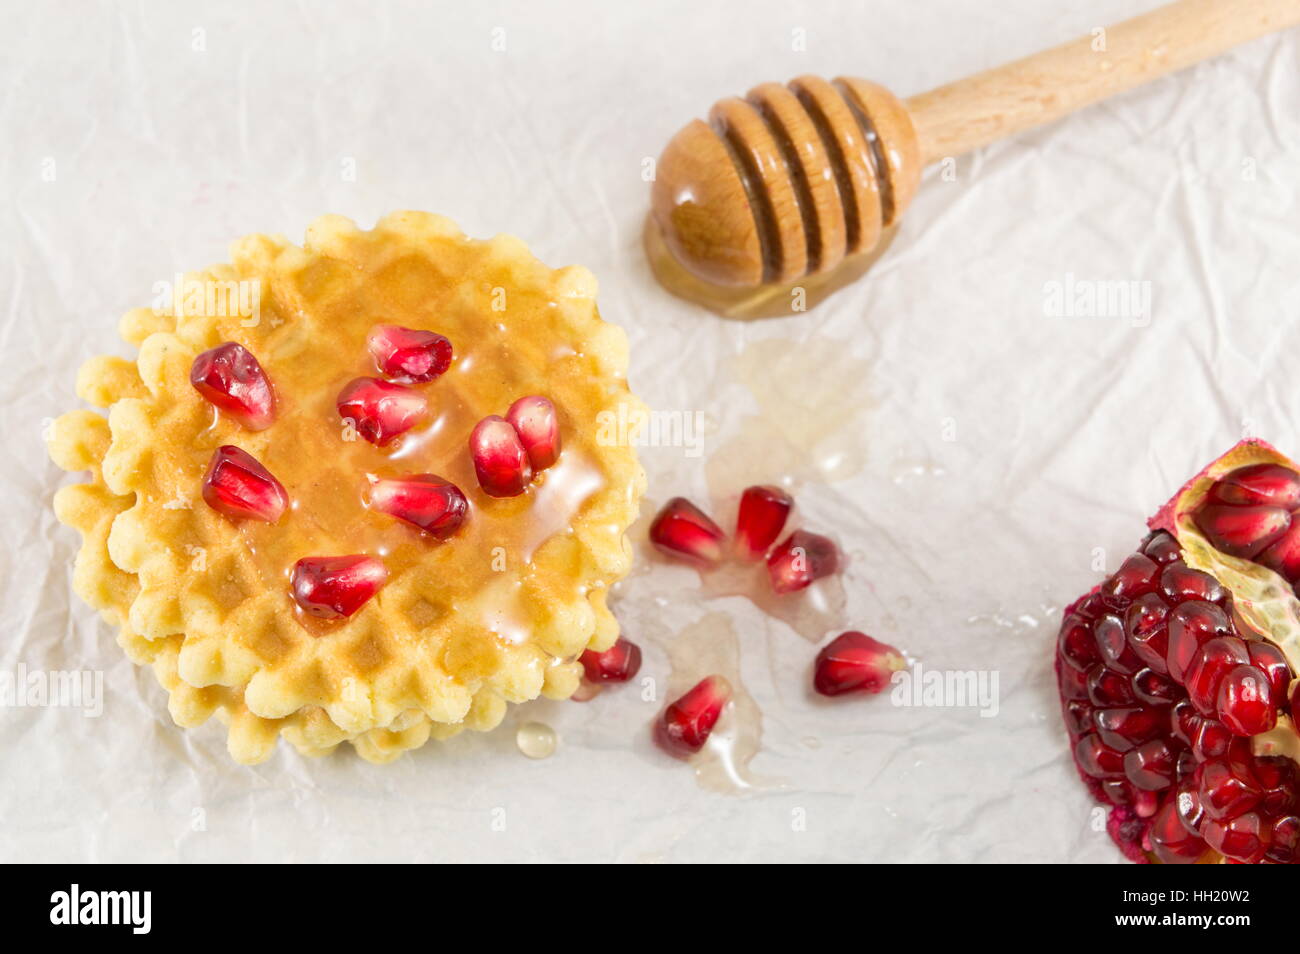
787	182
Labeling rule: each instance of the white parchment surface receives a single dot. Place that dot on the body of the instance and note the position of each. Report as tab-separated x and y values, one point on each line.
980	457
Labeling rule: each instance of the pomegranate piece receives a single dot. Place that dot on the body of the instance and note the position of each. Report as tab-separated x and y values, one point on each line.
427	501
336	587
760	520
408	355
682	530
854	662
801	560
686	724
538	426
1245	704
500	460
381	411
229	377
238	486
619	663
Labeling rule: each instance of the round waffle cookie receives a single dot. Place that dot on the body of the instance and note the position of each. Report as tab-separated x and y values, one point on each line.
495	613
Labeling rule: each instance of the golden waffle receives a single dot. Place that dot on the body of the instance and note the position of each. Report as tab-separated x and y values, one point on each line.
497	614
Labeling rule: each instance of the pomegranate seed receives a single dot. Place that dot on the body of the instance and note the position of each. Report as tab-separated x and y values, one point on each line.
1283	554
854	662
407	354
1191	625
1076	644
762	517
336	587
682	530
1113	644
1242	531
1161	547
1136	576
381	411
1074	683
500	460
1269	658
1097	759
1269	484
238	486
1180	582
1171	842
427	501
1183	720
1147	631
1078	717
1225	789
1187	801
1214	661
801	560
1284	841
229	377
1107	688
619	663
538	426
1241	837
1245	703
685	725
1210	739
1150	766
1125	727
1153	688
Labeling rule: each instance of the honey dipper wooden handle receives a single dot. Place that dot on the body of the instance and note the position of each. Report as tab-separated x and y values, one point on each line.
975	111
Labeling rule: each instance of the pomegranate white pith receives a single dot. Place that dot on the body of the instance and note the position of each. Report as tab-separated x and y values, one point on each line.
1175	674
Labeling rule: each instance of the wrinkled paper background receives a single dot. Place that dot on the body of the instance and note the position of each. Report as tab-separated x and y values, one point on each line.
988	457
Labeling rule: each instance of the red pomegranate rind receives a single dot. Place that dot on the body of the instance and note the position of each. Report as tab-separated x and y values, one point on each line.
1197	747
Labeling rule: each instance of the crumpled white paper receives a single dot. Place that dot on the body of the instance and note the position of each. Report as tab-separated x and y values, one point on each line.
993	458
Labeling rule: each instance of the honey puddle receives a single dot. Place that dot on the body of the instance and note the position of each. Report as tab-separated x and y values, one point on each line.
710	647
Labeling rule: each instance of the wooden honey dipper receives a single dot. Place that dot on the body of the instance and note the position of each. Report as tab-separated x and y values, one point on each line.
800	186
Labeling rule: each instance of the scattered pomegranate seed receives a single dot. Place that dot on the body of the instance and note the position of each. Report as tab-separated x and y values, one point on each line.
685	725
854	662
427	501
238	486
407	354
801	560
619	663
682	530
500	460
336	587
1245	702
229	377
760	520
538	427
381	411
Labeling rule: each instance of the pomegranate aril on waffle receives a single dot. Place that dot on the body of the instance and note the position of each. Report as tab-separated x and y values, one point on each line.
535	421
336	587
230	378
1175	673
760	520
682	530
686	724
238	486
427	501
619	663
500	459
407	354
381	411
